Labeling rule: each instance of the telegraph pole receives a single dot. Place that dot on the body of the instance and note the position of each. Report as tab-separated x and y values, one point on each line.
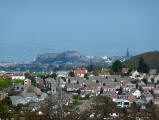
56	91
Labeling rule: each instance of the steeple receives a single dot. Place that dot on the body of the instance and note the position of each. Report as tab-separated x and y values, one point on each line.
127	53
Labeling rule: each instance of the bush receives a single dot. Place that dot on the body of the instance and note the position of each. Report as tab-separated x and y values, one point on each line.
17	81
4	83
44	90
77	103
7	101
81	98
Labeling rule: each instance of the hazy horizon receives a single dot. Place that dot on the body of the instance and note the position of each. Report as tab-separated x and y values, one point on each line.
93	28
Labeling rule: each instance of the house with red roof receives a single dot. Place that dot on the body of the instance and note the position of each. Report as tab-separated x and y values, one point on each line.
80	72
125	70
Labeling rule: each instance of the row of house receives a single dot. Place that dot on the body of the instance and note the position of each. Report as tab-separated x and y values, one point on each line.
120	89
27	97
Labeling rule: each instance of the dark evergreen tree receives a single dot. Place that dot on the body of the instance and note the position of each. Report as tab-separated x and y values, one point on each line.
137	86
90	68
7	101
79	91
71	74
142	66
101	90
120	90
86	76
145	80
69	81
117	66
115	80
77	82
97	81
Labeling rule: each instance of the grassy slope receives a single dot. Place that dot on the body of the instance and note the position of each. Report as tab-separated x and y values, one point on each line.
151	58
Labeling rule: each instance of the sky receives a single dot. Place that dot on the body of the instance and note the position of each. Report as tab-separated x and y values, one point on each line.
91	27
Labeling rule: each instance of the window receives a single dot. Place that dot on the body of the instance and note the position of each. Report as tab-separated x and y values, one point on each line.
126	103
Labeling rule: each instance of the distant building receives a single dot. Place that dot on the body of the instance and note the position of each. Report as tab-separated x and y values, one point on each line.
105	57
127	53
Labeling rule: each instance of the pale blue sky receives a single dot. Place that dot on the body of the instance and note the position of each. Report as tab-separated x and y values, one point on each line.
92	27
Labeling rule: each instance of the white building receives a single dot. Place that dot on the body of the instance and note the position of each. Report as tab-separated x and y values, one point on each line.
137	93
62	73
21	77
114	115
122	103
135	75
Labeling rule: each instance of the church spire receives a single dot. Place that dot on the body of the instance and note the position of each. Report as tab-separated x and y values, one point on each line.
127	53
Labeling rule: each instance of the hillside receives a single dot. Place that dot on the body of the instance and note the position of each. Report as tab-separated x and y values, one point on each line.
151	58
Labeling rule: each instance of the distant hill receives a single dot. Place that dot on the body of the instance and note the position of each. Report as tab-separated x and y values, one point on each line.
65	57
151	58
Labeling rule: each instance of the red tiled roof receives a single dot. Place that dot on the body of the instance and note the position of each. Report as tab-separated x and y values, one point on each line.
80	71
125	70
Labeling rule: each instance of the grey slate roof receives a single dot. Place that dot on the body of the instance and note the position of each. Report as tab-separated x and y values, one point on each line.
26	94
